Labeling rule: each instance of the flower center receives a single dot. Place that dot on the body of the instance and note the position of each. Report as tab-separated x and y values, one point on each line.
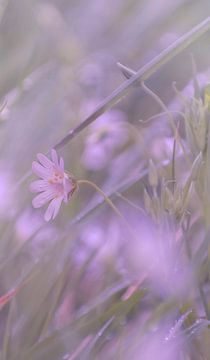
57	178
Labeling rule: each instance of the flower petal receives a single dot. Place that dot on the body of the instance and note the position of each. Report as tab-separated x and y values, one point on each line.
43	198
54	157
40	171
39	186
61	164
53	208
44	161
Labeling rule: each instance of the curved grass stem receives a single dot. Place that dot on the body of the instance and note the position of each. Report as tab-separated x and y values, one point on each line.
109	202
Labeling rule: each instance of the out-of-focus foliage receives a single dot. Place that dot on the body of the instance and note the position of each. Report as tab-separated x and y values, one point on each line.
93	284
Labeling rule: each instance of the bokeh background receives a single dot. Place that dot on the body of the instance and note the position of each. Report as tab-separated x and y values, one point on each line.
87	274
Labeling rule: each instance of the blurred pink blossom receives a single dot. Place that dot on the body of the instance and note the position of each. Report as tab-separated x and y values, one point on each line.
27	224
55	184
157	254
153	344
107	135
29	227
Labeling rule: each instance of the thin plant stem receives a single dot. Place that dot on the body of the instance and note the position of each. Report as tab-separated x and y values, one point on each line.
173	175
7	332
142	74
109	202
128	73
173	170
162	114
131	203
170	117
58	290
125	185
82	346
200	288
195	81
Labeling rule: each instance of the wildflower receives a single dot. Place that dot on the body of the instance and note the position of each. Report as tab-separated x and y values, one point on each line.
55	184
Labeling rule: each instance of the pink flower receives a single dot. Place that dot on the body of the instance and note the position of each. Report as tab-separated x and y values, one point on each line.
55	184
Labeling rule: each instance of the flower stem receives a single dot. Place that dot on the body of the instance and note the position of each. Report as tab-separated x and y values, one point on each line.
109	202
141	75
200	288
177	137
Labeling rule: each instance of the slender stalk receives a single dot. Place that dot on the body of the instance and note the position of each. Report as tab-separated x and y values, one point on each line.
204	301
58	290
153	117
131	203
195	81
200	288
141	75
109	202
112	194
173	169
170	117
7	332
82	346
